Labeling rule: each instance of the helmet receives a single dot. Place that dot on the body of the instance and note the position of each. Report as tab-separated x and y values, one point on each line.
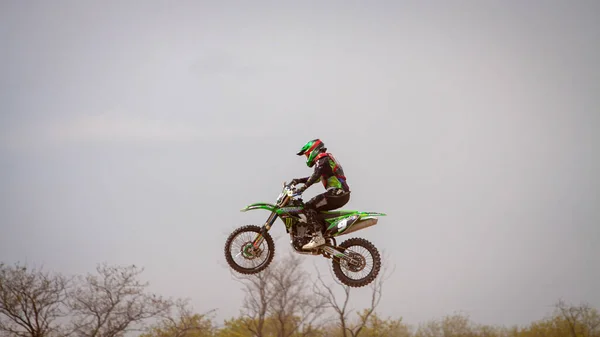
311	150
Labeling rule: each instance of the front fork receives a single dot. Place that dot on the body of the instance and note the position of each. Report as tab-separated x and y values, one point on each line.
265	228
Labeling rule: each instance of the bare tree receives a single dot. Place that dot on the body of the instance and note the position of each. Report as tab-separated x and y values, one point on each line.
455	325
326	292
259	295
582	320
279	295
184	323
113	302
340	307
294	309
31	301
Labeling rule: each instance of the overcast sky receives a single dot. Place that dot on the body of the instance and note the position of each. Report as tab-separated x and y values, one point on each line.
134	132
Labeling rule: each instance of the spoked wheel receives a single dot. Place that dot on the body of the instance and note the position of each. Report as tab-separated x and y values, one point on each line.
248	252
363	266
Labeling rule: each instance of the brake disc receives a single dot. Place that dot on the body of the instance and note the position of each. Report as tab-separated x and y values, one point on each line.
249	251
357	261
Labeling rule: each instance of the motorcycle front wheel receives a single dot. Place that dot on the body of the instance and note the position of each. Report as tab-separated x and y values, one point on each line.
243	255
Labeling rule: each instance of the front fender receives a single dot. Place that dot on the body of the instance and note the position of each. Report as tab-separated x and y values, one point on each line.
259	205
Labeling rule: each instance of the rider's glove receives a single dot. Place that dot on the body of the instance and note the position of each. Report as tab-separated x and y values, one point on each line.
294	182
300	190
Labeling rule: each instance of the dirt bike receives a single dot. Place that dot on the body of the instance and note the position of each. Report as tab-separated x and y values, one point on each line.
257	248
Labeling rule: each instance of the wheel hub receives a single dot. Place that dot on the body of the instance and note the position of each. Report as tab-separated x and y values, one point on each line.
249	251
356	263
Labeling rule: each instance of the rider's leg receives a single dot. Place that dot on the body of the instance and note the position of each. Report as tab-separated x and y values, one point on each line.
310	210
323	202
312	207
332	200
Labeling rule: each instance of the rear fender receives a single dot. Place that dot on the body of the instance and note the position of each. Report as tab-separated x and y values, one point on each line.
370	215
343	224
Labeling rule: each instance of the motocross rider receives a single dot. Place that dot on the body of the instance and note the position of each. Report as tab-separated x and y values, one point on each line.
337	193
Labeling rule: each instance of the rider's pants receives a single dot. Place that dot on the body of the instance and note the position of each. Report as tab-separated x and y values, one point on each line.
327	201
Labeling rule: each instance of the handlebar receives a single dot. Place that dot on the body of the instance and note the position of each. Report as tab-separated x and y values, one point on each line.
291	190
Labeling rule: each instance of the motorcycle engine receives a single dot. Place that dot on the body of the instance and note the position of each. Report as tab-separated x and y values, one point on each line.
302	234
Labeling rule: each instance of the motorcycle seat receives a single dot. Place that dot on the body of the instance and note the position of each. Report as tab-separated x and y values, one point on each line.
331	214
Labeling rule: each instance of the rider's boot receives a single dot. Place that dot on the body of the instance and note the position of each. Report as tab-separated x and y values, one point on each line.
318	239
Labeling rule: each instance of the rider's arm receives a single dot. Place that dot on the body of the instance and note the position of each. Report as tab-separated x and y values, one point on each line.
314	177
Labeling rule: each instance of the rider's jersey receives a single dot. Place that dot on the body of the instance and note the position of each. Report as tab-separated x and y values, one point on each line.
329	170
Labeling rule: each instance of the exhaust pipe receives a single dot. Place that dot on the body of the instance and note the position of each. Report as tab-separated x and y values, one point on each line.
360	225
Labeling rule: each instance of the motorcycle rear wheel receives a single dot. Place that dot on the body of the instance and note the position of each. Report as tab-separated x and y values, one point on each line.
341	265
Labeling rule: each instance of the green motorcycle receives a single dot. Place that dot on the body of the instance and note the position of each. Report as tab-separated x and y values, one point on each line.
254	248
